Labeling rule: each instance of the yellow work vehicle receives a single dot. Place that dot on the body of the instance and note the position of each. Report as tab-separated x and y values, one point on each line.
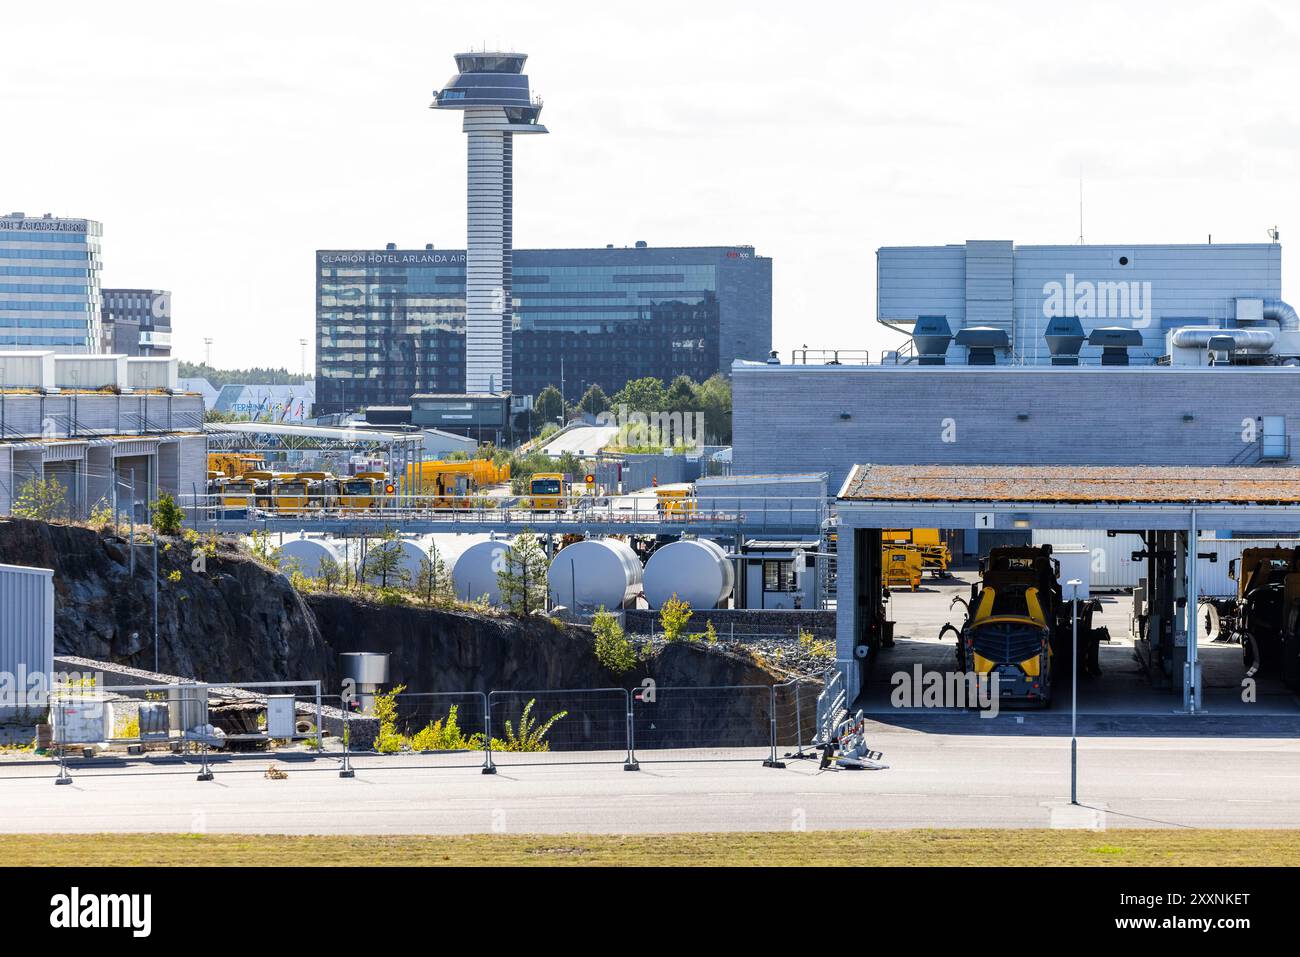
675	501
363	491
233	465
935	556
547	491
900	565
289	494
237	496
322	489
1013	621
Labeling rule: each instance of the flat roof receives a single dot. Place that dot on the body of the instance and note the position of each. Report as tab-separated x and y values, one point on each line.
1112	484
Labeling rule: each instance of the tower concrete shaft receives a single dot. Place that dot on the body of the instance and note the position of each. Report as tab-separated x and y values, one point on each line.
493	94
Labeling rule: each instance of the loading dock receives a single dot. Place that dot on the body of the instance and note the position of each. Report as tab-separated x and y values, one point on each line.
1161	509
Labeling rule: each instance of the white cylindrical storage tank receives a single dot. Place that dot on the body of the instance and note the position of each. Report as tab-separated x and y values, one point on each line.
593	574
26	634
411	552
475	571
308	553
695	570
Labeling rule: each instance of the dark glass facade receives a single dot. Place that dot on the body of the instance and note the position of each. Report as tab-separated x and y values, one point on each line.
391	323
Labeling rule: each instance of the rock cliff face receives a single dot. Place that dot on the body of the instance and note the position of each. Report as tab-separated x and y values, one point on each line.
234	620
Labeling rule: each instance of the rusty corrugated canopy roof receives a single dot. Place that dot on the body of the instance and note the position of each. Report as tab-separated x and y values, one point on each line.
1145	485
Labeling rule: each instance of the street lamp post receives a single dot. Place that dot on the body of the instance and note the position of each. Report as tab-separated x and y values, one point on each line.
1074	584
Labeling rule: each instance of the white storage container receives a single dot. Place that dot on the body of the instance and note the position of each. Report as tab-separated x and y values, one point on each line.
152	373
90	372
281	717
82	718
27	370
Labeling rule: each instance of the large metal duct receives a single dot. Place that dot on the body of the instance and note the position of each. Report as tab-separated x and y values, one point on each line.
1283	313
1243	340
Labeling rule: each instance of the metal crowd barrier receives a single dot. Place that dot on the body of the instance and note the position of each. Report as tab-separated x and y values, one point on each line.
211	727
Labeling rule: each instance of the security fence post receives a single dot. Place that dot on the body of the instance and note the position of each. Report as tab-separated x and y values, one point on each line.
205	772
772	762
345	770
319	718
60	742
631	763
798	721
488	766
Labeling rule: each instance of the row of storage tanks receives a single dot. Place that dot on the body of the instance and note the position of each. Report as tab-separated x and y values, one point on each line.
586	575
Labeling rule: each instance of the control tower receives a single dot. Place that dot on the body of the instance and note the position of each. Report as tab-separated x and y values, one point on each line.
492	91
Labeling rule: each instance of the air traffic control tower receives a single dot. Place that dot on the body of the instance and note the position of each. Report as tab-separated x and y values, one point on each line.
492	92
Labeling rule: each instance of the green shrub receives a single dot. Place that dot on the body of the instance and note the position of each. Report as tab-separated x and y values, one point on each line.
168	517
529	735
673	617
445	735
613	650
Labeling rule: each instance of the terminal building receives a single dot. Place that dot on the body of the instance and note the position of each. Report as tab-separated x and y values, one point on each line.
49	283
391	323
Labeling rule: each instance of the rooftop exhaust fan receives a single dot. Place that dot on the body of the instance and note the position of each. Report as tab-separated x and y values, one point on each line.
981	341
1064	335
1115	342
931	335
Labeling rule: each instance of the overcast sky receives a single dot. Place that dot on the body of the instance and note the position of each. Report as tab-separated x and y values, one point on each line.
220	144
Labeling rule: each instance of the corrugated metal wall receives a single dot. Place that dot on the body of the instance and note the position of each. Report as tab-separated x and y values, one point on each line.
968	284
830	418
26	620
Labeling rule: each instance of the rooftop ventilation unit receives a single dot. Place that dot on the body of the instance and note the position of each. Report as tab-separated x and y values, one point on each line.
981	341
931	335
1064	335
1115	342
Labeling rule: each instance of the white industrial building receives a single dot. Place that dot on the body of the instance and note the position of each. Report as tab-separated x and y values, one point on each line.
98	424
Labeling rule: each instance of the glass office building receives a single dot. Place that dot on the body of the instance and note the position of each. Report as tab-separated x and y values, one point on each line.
137	322
49	283
391	323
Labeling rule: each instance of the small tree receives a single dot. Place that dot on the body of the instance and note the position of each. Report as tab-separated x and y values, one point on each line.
328	573
549	405
433	583
594	401
384	561
613	650
168	517
521	579
42	499
673	617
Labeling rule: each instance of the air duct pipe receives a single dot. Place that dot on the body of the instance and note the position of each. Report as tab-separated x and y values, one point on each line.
1283	313
1244	340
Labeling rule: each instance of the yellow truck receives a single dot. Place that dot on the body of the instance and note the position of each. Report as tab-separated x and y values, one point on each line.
547	491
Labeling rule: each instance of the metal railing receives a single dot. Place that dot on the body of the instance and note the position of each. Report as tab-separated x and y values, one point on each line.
751	514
